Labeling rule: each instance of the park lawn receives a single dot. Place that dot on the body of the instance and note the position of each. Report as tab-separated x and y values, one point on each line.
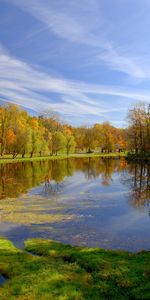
9	159
51	270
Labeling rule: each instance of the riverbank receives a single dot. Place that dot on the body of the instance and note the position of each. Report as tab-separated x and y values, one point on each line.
9	159
54	271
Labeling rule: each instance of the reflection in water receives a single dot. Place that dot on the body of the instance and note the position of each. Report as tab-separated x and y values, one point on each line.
138	179
18	178
51	187
91	201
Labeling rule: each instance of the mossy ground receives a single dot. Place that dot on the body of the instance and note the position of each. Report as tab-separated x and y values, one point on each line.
56	271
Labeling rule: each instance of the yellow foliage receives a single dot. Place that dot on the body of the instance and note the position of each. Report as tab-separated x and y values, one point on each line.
10	137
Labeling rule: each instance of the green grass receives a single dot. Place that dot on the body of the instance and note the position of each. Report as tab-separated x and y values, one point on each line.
9	159
62	272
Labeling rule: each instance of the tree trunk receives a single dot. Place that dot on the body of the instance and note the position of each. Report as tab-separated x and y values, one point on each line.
14	154
2	153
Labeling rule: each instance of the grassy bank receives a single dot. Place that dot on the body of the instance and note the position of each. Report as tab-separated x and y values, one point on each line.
62	272
9	159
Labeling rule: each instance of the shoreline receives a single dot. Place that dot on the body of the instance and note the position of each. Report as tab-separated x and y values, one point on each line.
60	271
7	159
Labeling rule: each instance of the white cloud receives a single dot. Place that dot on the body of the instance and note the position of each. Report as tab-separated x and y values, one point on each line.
125	64
28	86
71	27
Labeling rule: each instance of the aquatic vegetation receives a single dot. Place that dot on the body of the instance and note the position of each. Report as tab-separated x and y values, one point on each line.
80	201
27	211
51	270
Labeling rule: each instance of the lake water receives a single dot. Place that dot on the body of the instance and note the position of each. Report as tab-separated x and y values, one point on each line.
97	202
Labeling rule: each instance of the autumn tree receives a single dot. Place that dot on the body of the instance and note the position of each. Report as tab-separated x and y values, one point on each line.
98	135
89	139
108	142
70	140
15	131
51	121
121	139
58	142
11	139
139	128
23	134
48	139
79	135
22	142
6	114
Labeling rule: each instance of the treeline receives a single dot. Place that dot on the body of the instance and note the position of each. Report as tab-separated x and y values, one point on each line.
139	129
21	133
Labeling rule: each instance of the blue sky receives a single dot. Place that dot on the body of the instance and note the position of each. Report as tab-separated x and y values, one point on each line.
87	60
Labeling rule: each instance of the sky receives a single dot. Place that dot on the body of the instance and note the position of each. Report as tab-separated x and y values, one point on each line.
88	61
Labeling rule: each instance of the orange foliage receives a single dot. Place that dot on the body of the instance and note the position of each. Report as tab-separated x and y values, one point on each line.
10	137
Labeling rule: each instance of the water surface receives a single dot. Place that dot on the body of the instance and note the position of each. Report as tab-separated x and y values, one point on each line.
97	202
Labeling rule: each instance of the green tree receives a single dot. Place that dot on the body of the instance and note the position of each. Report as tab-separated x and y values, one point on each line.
58	142
70	144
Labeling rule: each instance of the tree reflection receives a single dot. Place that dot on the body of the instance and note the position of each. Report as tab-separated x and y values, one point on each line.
104	167
138	178
51	188
18	178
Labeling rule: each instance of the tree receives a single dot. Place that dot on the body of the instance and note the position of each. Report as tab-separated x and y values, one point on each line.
89	139
35	143
50	121
70	143
23	134
3	128
79	135
98	135
11	139
58	142
14	131
139	128
70	140
7	113
121	139
108	142
48	139
25	141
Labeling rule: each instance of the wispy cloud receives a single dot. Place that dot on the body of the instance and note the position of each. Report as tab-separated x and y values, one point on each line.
125	64
70	27
30	87
26	85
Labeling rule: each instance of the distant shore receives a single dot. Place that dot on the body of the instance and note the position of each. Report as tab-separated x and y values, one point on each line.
9	159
